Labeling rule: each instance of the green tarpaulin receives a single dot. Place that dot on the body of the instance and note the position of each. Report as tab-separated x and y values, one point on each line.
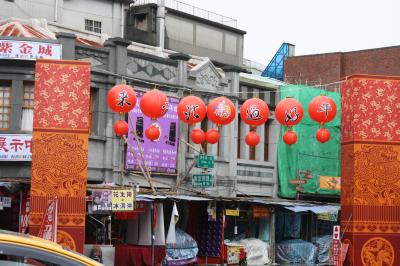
308	153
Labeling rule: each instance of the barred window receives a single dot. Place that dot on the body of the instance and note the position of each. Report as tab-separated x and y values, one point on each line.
5	105
93	25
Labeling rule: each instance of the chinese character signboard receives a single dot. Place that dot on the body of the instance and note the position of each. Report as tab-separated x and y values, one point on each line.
28	50
205	161
122	200
202	180
101	201
24	212
160	155
232	212
48	229
15	147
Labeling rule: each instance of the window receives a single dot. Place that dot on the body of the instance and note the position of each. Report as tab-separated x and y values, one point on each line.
140	21
5	105
93	25
27	107
266	140
239	135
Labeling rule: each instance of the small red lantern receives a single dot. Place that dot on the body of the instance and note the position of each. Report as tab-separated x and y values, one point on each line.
254	112
152	133
289	112
212	136
323	135
121	98
191	110
198	136
121	128
154	104
322	109
252	138
221	111
290	137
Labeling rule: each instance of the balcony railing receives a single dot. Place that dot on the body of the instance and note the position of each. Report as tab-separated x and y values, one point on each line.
192	10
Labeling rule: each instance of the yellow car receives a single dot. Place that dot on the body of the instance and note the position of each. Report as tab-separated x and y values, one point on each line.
22	250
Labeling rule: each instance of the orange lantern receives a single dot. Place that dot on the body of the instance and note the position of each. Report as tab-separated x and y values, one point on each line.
154	104
198	136
290	137
191	110
252	138
254	112
323	135
212	136
121	98
289	112
221	111
121	128
322	109
152	133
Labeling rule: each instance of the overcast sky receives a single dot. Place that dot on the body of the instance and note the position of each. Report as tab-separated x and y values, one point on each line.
314	26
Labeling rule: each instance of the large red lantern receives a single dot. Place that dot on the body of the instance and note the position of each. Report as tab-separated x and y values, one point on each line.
254	112
152	133
252	138
154	104
221	111
323	135
212	136
121	128
289	112
191	110
290	137
121	98
322	109
198	136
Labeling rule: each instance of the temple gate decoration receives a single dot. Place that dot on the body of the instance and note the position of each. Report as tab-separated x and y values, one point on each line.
370	162
60	149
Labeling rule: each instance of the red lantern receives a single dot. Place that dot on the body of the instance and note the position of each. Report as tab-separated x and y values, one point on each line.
198	136
322	109
290	137
154	104
254	112
252	138
191	110
121	98
212	136
221	111
323	135
152	133
121	128
289	112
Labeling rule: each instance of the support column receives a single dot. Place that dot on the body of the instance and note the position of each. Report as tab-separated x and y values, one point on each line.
370	161
68	45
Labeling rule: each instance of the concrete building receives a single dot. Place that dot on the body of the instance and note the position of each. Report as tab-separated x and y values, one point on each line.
239	170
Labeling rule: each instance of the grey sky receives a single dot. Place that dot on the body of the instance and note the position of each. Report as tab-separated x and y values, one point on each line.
314	26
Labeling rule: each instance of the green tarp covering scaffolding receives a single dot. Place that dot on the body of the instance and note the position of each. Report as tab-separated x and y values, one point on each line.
309	154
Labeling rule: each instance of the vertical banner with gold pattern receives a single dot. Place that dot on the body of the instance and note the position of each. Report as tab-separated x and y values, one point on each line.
370	160
60	147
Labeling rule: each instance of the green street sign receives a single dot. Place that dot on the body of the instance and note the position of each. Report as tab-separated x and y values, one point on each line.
205	161
202	180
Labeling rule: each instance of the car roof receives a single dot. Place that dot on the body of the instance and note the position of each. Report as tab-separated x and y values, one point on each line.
36	242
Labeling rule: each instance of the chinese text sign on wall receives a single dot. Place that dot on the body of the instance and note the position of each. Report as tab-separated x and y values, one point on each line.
15	147
28	50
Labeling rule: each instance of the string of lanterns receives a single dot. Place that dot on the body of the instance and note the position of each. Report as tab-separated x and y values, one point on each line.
221	111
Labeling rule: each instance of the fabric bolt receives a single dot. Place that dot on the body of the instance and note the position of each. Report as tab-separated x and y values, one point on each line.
60	153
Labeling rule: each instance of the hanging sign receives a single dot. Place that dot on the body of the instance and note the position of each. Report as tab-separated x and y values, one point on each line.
232	212
48	229
260	212
24	212
205	161
122	200
202	180
28	50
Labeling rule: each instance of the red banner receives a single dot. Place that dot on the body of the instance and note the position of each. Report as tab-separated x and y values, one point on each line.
24	211
48	229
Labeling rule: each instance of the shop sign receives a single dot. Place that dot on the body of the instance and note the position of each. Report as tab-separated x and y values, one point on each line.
15	147
24	212
28	50
122	200
160	155
260	212
329	182
205	161
202	180
232	212
336	252
6	202
101	201
48	229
